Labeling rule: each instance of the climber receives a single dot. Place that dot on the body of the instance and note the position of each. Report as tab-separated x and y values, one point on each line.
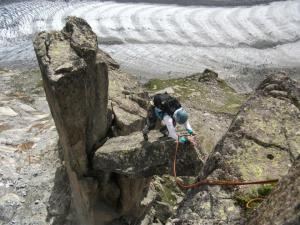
168	109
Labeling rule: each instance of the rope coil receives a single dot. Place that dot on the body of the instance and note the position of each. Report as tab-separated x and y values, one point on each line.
258	199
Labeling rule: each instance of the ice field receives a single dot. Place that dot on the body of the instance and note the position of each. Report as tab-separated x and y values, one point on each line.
241	42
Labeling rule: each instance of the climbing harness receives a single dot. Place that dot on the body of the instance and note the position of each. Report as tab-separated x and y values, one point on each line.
213	182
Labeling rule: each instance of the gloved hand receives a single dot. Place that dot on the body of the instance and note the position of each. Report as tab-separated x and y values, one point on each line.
183	140
190	131
189	139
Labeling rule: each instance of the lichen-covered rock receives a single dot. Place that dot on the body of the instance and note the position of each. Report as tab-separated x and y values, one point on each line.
211	105
8	206
283	205
76	85
207	75
128	110
110	62
29	155
261	143
132	156
129	117
75	75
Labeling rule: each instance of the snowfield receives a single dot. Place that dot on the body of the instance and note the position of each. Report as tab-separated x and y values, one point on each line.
167	40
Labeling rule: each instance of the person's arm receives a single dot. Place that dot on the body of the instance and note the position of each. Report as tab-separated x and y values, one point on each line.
188	127
168	121
150	122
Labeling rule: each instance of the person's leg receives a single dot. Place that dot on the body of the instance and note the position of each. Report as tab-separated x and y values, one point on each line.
168	121
150	122
164	130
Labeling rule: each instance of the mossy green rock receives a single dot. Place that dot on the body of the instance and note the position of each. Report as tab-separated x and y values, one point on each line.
215	96
282	205
132	156
211	104
261	143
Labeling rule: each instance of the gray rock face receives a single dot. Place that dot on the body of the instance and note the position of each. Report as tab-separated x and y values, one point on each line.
29	156
283	205
132	156
9	204
76	86
208	75
104	187
261	143
108	186
128	116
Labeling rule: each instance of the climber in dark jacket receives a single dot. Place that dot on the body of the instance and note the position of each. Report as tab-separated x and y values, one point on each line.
167	109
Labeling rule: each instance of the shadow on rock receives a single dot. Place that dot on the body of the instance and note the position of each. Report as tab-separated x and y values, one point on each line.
60	200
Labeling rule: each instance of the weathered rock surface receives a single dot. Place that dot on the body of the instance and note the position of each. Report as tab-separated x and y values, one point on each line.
261	143
75	76
76	85
132	156
211	105
29	155
9	204
115	186
283	205
128	115
31	202
208	75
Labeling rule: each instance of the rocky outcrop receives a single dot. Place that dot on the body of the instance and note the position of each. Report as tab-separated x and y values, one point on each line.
283	205
128	115
207	75
110	166
132	156
76	85
212	104
31	191
261	143
264	129
107	187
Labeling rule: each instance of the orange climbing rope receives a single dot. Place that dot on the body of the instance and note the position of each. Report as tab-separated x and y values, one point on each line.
213	182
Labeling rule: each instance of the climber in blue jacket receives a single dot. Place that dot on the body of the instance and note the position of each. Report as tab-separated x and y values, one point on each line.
168	109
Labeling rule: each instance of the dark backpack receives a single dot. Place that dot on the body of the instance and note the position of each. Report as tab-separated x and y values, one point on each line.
166	103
